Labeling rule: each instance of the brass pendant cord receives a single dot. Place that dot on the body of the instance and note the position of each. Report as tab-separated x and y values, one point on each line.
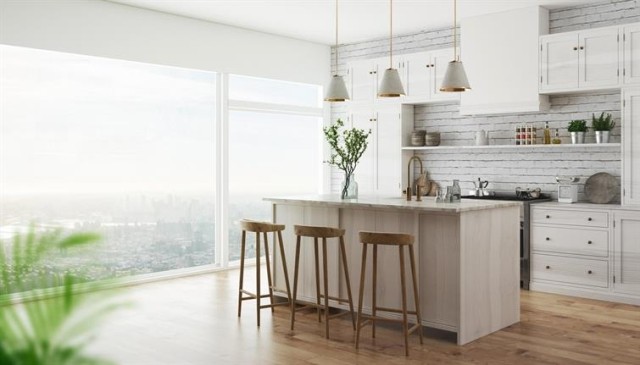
455	31
390	34
336	37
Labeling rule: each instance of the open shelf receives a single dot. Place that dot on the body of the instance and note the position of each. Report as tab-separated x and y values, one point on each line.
524	147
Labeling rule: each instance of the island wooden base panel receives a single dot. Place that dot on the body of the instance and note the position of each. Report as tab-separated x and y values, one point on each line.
193	321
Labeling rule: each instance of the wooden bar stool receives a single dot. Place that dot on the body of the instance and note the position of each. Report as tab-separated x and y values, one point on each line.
324	233
392	239
264	228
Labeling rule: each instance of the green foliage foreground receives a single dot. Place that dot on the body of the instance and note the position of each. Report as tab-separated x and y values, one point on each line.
54	330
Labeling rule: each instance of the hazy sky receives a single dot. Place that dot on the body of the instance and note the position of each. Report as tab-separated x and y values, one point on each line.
71	123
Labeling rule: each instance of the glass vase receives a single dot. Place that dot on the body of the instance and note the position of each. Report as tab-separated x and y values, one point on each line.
349	187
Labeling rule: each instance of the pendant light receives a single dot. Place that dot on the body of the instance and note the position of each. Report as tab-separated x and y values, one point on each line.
391	85
455	79
337	89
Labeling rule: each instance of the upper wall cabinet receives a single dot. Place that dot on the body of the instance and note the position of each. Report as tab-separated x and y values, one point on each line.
631	38
422	74
577	61
631	146
500	55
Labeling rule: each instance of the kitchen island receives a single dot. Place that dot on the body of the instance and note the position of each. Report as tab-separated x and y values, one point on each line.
467	256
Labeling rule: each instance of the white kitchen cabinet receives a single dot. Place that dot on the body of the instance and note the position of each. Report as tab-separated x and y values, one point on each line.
583	60
363	81
379	170
500	56
631	146
631	40
422	74
627	252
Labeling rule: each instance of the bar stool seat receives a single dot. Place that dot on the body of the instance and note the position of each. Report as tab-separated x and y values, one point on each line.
390	239
261	228
316	233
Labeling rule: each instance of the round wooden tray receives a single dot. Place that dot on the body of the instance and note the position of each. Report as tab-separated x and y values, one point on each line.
601	188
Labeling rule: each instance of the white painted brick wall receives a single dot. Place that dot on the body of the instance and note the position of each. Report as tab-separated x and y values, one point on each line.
508	168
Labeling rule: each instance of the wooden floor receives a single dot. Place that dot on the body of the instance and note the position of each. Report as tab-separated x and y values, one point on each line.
193	321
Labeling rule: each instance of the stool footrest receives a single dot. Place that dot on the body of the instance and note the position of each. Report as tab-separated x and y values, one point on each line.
414	327
393	310
339	314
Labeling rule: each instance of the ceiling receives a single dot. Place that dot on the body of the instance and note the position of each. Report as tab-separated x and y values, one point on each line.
360	20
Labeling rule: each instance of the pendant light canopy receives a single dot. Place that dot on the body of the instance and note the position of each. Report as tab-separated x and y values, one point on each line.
455	79
337	90
391	85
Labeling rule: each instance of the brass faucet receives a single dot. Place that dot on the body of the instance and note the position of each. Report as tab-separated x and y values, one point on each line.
409	190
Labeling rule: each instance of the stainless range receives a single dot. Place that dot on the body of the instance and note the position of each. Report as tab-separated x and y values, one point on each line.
525	228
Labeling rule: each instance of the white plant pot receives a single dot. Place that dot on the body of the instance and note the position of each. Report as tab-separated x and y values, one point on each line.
577	137
602	136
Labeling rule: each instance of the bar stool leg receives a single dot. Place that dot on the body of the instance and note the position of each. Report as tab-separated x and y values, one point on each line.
266	259
315	248
361	294
258	276
374	284
326	287
284	265
346	275
242	248
296	264
404	303
415	289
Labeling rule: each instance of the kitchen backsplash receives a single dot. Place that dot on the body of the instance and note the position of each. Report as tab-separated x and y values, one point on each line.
507	169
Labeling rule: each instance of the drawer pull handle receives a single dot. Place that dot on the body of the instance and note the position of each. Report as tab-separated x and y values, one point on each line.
589	242
548	216
589	272
548	239
589	219
548	267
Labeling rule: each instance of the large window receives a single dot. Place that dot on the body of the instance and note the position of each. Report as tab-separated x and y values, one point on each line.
122	148
146	156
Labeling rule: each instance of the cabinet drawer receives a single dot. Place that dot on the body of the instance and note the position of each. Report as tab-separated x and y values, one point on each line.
569	270
573	217
575	241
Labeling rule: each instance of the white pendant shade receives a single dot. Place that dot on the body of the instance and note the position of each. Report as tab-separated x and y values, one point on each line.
455	79
337	90
390	86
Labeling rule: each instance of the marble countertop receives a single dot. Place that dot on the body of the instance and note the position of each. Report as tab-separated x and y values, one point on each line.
428	204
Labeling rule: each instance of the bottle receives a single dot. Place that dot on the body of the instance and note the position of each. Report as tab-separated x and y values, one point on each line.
455	192
527	135
534	135
517	135
556	139
547	133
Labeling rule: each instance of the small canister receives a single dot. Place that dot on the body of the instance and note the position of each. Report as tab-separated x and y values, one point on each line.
417	137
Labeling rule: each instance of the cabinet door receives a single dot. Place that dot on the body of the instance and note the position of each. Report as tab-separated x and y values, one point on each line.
627	252
388	152
631	146
365	172
599	58
559	63
362	81
631	71
417	72
439	62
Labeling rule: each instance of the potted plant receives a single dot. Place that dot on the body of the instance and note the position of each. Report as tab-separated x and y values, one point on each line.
577	128
603	126
347	147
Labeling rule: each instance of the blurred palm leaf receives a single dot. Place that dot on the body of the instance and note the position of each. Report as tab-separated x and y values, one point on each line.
51	331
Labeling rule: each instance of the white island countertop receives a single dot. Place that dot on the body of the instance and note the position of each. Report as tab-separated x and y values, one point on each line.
428	204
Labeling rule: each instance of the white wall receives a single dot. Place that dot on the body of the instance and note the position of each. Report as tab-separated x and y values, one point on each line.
100	28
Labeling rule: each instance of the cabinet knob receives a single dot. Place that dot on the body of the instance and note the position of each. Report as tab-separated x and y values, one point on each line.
548	239
575	48
548	216
581	47
433	65
428	66
589	219
589	272
589	242
548	267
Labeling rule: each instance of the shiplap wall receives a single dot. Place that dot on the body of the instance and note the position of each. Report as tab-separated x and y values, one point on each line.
507	169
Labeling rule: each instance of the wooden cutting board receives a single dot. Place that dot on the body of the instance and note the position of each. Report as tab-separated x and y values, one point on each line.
601	188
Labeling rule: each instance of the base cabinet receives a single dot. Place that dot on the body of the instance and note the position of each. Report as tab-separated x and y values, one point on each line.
627	252
587	251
